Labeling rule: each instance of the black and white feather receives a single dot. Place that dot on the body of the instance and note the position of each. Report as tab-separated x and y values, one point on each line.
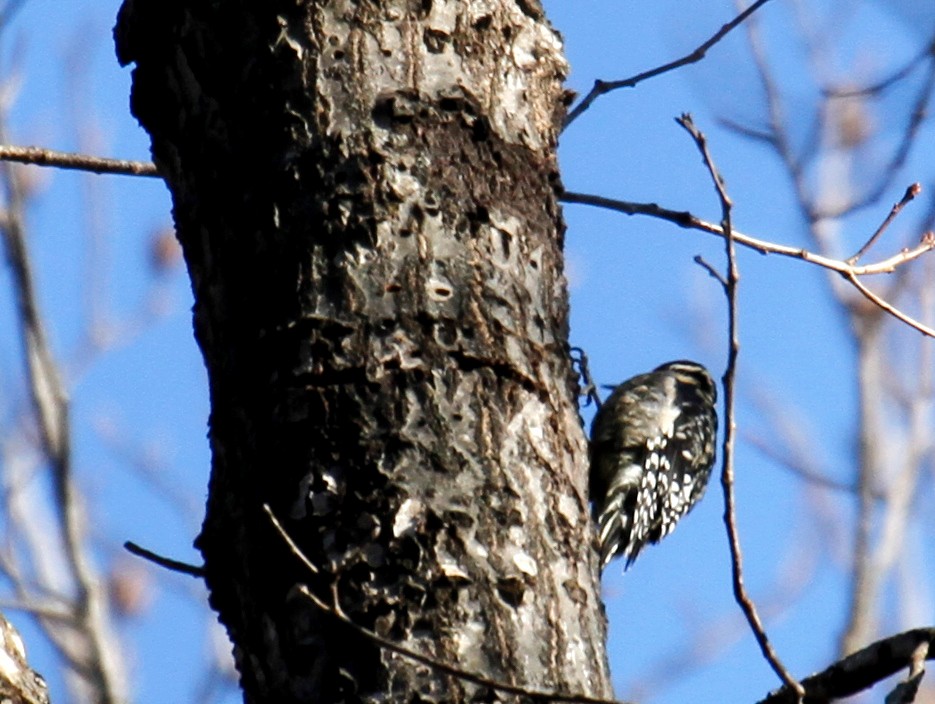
652	449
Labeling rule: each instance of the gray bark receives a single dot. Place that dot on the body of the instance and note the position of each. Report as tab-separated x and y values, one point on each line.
365	193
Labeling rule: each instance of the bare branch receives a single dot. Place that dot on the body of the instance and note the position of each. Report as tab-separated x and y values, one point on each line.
730	425
889	308
864	668
603	87
80	162
166	562
688	221
911	192
296	550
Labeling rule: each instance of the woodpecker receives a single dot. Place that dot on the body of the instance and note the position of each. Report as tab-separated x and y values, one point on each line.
652	449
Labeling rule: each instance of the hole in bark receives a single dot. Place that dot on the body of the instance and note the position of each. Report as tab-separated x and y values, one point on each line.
435	40
483	22
442	292
511	590
445	333
505	244
409	555
481	129
393	288
450	104
338	54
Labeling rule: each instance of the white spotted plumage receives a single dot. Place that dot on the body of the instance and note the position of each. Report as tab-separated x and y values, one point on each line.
652	449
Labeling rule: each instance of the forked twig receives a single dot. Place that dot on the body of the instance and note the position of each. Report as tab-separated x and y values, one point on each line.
689	221
851	272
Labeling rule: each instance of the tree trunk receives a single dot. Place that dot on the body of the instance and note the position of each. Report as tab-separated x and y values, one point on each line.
366	197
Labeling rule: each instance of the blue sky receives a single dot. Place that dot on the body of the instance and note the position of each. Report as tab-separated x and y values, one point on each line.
637	300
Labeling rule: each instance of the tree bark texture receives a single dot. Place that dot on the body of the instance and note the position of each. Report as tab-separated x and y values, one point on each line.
366	197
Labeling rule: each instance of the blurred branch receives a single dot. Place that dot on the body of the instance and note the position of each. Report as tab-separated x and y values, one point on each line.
80	162
52	610
603	87
920	111
730	426
95	656
801	470
843	130
706	642
864	668
883	84
778	138
9	12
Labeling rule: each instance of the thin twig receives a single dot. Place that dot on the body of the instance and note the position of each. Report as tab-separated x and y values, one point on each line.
80	162
911	192
688	221
730	425
714	273
888	307
884	83
335	610
296	550
602	87
166	562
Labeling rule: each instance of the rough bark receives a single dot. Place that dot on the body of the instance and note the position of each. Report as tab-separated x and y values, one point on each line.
366	197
